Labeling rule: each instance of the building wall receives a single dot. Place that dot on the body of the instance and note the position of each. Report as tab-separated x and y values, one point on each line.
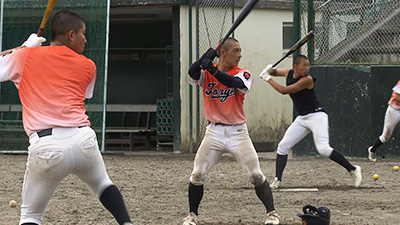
260	35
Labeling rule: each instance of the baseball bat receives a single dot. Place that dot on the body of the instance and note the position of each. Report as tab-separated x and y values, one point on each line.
243	13
296	46
49	9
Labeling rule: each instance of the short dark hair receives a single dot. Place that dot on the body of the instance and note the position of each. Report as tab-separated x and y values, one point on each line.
64	21
298	58
227	43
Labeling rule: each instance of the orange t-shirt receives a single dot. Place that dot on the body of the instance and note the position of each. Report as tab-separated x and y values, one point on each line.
52	82
392	102
223	104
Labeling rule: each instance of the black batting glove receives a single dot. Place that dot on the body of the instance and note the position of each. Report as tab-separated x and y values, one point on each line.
207	64
210	53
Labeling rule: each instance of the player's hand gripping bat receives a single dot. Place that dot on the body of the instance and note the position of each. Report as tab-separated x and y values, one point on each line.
265	74
49	9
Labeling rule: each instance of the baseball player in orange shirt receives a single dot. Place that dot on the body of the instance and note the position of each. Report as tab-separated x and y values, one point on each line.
53	82
224	87
392	118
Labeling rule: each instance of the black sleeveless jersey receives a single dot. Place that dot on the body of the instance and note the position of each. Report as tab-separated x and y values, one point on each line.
305	101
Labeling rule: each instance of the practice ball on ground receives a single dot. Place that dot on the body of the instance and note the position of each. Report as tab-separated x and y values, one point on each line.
13	203
375	176
395	168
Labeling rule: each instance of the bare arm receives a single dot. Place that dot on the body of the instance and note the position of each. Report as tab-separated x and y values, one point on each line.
304	83
279	72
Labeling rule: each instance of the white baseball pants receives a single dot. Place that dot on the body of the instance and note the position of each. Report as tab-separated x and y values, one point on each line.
392	118
51	158
317	123
233	139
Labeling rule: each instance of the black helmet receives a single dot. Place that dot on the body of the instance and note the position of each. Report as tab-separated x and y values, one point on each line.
315	216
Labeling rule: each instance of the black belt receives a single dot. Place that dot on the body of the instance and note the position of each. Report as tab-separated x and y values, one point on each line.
47	132
44	133
223	124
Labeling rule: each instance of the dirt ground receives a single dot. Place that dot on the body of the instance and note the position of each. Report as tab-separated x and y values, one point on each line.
155	190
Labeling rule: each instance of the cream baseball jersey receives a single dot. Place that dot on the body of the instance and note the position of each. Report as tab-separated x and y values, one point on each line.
52	82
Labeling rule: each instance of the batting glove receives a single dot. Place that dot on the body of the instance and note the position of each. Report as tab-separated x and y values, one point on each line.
265	73
207	64
265	77
270	69
34	41
210	53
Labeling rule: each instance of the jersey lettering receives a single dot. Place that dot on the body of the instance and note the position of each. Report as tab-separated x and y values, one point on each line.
222	94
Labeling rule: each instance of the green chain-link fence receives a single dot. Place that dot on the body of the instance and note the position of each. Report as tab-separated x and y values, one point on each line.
214	18
354	31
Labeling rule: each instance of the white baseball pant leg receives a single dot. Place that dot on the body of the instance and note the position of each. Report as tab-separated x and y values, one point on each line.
317	123
392	118
51	159
219	139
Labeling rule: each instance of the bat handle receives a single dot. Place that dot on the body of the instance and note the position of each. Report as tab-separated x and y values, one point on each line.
218	47
40	32
273	66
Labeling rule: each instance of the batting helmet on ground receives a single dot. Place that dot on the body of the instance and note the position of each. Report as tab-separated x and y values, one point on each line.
315	216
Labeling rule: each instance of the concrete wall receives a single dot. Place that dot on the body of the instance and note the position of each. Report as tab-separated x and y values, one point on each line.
268	112
185	63
260	35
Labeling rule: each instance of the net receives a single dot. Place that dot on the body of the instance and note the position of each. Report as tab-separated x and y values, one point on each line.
354	31
215	18
20	19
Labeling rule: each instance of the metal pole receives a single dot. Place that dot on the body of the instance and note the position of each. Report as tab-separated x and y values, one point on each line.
190	86
296	24
233	15
1	33
310	44
1	25
197	87
103	135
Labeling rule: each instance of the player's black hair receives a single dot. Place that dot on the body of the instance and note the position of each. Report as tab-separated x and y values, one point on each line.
297	59
227	44
64	21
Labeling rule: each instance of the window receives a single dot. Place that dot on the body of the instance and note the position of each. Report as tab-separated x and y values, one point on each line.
287	28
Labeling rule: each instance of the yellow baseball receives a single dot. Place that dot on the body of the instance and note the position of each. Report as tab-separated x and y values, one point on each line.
375	176
395	168
13	203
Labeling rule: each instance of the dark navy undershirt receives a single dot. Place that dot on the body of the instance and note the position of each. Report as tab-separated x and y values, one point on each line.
305	101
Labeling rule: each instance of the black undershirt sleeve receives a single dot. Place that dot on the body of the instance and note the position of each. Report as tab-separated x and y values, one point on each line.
229	81
195	71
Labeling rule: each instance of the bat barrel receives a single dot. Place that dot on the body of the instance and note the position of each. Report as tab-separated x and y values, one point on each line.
243	13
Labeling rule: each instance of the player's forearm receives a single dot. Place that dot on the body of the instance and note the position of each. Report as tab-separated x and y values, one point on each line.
195	71
279	72
397	98
229	81
279	88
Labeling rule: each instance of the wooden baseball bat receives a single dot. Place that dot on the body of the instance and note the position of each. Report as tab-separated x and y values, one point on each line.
296	46
243	13
49	9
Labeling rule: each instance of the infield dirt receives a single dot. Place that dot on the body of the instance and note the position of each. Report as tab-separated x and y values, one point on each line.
155	190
